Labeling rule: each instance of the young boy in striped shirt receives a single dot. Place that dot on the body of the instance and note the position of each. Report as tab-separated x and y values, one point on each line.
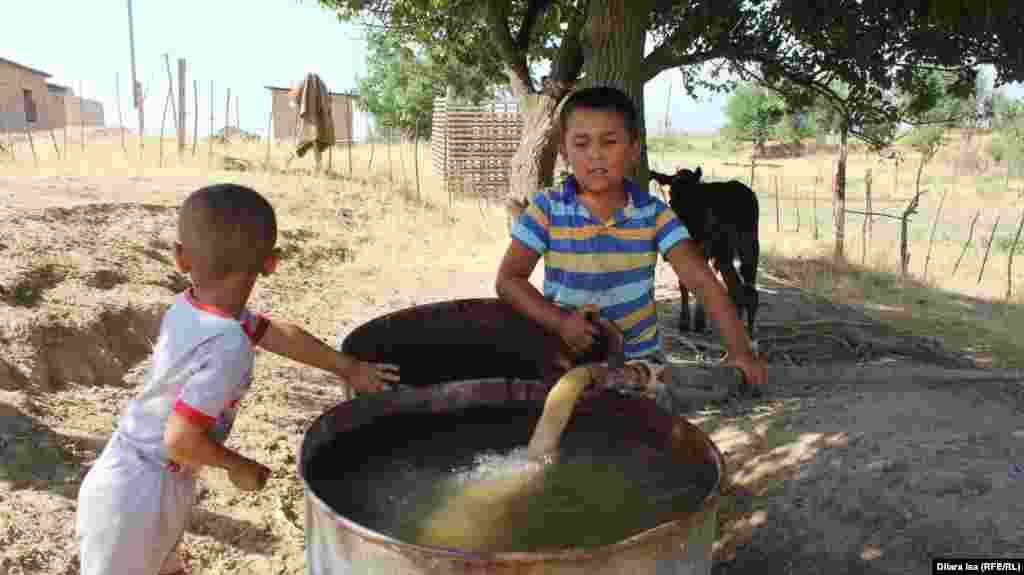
600	235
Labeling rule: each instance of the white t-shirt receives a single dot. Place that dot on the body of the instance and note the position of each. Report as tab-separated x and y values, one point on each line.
202	367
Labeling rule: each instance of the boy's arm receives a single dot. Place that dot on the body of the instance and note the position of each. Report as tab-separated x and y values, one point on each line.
513	285
291	341
694	273
188	444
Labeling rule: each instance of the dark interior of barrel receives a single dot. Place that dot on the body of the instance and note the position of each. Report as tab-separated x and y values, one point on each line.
458	340
339	468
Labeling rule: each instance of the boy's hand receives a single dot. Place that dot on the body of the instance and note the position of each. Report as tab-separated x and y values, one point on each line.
366	377
249	475
577	332
753	368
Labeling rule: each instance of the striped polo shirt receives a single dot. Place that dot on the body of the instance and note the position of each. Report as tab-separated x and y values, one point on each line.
607	264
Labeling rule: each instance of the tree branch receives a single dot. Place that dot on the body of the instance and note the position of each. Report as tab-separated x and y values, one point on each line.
534	9
514	58
568	62
663	58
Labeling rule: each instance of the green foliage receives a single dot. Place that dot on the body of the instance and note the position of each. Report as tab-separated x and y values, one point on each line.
752	114
403	80
926	140
399	90
795	126
1007	144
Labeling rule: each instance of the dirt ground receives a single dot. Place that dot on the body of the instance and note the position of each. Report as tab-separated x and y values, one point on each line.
838	469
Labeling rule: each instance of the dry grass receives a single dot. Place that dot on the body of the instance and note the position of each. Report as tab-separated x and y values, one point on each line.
966	313
430	239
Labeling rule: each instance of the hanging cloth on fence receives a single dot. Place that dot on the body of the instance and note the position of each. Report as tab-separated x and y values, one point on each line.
316	119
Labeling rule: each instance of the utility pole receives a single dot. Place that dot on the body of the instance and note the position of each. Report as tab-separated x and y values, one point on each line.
136	89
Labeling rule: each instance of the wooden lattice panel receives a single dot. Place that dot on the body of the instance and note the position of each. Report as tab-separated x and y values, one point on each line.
471	146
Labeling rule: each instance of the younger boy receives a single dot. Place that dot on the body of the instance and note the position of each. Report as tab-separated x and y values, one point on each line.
134	503
600	236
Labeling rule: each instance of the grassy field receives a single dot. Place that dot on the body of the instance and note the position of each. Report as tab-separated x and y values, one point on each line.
968	313
796	231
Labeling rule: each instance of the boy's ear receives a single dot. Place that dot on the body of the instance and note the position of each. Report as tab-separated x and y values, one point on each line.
634	150
273	260
181	258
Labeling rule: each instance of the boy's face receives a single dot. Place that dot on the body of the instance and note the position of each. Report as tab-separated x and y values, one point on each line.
598	148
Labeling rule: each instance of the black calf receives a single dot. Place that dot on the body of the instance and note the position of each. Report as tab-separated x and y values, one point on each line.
722	218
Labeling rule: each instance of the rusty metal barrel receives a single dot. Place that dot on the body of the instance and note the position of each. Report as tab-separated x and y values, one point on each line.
493	378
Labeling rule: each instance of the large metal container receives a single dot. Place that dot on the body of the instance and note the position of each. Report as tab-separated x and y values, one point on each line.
337	545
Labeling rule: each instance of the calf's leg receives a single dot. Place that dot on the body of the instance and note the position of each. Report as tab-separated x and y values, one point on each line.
684	308
749	251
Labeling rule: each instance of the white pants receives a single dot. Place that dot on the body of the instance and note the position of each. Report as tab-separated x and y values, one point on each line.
132	512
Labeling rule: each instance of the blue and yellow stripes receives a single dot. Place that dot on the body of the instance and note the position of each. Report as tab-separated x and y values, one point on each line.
607	264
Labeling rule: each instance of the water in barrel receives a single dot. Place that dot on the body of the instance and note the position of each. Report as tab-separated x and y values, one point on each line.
462	480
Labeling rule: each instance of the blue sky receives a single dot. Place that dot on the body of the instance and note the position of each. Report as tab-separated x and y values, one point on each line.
243	45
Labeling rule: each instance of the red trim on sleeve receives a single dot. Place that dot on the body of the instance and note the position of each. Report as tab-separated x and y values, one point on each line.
193	415
255	332
262	323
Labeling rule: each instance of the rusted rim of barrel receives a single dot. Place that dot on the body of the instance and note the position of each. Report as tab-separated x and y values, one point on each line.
494	391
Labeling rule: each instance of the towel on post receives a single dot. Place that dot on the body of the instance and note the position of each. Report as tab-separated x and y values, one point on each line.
316	120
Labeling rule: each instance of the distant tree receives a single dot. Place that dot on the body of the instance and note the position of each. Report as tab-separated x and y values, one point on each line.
753	114
1007	144
795	126
403	79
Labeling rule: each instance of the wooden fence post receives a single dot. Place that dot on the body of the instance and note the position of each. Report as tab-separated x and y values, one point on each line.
351	132
81	111
416	157
904	232
970	234
227	115
931	237
373	149
778	208
866	226
799	196
170	97
391	178
195	128
181	108
120	118
814	205
1009	261
31	145
54	140
270	127
209	137
989	246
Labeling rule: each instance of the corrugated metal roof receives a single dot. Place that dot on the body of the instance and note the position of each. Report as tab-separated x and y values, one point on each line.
24	67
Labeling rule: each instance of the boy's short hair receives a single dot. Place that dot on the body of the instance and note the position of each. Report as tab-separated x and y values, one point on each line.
228	228
603	98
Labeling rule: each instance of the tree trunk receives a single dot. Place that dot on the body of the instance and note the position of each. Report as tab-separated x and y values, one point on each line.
839	193
533	164
613	46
